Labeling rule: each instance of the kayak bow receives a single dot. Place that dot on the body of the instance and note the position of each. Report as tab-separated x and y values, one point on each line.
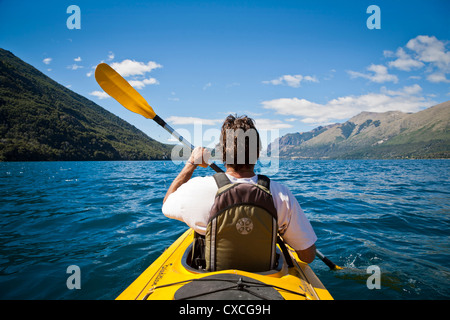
170	277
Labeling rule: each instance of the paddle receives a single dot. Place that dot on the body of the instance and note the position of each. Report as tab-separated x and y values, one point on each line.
119	88
327	261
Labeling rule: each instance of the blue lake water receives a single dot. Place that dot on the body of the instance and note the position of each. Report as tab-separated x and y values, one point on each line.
105	217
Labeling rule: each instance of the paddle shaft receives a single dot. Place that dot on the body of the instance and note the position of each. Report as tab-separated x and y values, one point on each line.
174	133
327	261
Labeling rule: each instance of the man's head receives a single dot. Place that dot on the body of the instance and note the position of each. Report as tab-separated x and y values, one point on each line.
240	142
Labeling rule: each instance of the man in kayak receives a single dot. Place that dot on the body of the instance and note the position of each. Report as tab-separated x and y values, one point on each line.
191	200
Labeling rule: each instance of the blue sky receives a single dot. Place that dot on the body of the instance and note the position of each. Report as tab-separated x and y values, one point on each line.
290	65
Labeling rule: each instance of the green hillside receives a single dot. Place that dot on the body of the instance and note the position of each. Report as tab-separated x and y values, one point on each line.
42	120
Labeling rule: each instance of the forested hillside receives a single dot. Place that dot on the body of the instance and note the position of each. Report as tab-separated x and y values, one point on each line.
43	120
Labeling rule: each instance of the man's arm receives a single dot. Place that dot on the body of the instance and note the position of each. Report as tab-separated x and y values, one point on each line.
199	157
181	179
307	255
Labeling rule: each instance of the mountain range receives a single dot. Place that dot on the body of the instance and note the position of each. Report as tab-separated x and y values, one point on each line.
42	120
370	135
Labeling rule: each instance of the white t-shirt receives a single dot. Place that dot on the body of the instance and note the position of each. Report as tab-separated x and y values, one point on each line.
192	202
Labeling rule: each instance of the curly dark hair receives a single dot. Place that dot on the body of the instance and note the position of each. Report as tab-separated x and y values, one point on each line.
240	142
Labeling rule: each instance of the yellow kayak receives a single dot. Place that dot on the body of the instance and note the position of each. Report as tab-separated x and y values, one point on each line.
171	278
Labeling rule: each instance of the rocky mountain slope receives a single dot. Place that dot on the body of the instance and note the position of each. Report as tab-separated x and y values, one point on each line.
369	135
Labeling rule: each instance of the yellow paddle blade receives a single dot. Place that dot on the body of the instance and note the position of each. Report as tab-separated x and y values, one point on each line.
119	88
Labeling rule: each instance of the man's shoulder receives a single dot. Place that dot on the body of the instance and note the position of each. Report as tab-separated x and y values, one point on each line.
195	187
279	189
206	181
278	185
202	179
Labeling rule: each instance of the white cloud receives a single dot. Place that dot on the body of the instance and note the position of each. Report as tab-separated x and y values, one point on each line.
379	74
330	75
47	60
134	68
270	124
173	98
342	108
388	54
74	67
430	49
77	59
406	91
248	113
206	86
437	77
291	80
140	84
110	56
99	94
193	120
404	61
423	51
90	73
